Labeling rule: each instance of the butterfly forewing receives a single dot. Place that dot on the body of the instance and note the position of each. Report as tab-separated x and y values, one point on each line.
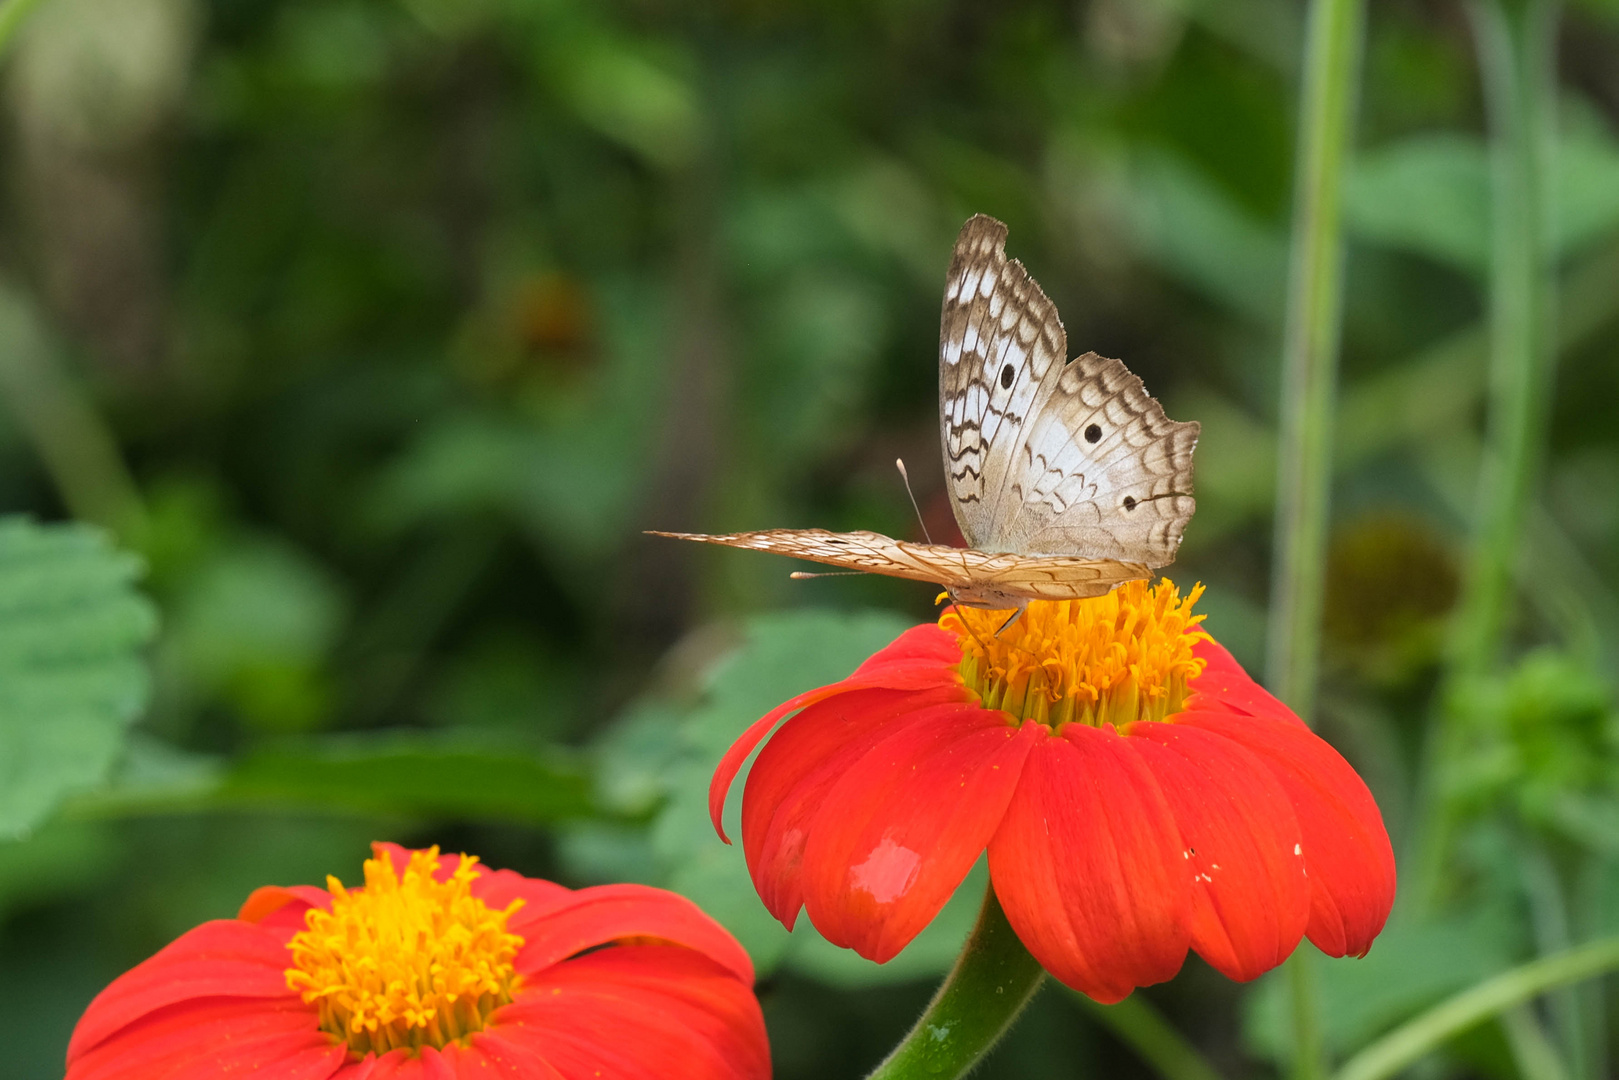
977	577
1000	343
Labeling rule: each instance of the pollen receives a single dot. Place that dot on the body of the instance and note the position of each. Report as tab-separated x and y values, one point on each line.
1111	659
408	961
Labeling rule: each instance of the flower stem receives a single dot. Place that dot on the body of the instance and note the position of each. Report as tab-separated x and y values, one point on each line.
1411	1040
1143	1029
1517	67
1309	372
1310	351
993	979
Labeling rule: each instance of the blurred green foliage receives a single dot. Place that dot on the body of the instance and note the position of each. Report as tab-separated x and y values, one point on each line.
378	330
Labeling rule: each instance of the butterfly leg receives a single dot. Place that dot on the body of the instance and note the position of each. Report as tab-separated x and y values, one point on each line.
1017	614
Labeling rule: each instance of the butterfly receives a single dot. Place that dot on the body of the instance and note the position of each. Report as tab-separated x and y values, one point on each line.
1066	477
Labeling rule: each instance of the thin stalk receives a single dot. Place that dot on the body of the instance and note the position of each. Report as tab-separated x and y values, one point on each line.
1310	351
1548	917
1517	66
993	980
1416	1037
1309	373
1141	1027
1532	1052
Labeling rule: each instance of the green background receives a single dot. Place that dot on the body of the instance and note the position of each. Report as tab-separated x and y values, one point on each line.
373	332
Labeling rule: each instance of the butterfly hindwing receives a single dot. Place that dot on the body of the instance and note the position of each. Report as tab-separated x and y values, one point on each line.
1101	470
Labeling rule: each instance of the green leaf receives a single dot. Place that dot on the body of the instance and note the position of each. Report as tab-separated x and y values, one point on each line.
1183	221
421	777
1412	966
71	675
1429	195
393	774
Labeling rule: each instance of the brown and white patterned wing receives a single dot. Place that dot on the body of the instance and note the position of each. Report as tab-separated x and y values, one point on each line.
1100	471
1053	577
870	552
1000	344
990	580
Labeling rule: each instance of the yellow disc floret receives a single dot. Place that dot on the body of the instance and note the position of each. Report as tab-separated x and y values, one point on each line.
407	961
1111	659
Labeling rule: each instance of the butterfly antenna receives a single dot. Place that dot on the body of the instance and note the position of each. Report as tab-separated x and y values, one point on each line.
899	463
804	575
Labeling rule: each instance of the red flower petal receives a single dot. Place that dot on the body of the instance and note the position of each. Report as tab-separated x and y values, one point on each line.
905	823
213	1037
1088	866
895	664
282	908
606	913
922	658
223	958
788	784
640	1011
1346	848
1224	686
1251	899
487	1058
497	1056
498	888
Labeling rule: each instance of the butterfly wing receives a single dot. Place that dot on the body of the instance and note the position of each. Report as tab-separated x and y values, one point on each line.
1000	341
1100	470
977	578
1041	456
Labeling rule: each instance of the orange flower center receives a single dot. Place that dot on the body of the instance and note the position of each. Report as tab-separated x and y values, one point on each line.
1111	659
408	961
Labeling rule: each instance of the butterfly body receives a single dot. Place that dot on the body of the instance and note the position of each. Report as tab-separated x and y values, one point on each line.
1066	478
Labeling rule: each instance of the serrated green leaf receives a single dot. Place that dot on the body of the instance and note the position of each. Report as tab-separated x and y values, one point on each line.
72	677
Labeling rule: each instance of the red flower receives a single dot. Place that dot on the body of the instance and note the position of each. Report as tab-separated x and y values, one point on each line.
1138	793
438	969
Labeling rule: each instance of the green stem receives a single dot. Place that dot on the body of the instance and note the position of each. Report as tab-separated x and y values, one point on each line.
1517	66
1310	351
1143	1029
1532	1052
1309	372
993	979
1309	1047
1415	1038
